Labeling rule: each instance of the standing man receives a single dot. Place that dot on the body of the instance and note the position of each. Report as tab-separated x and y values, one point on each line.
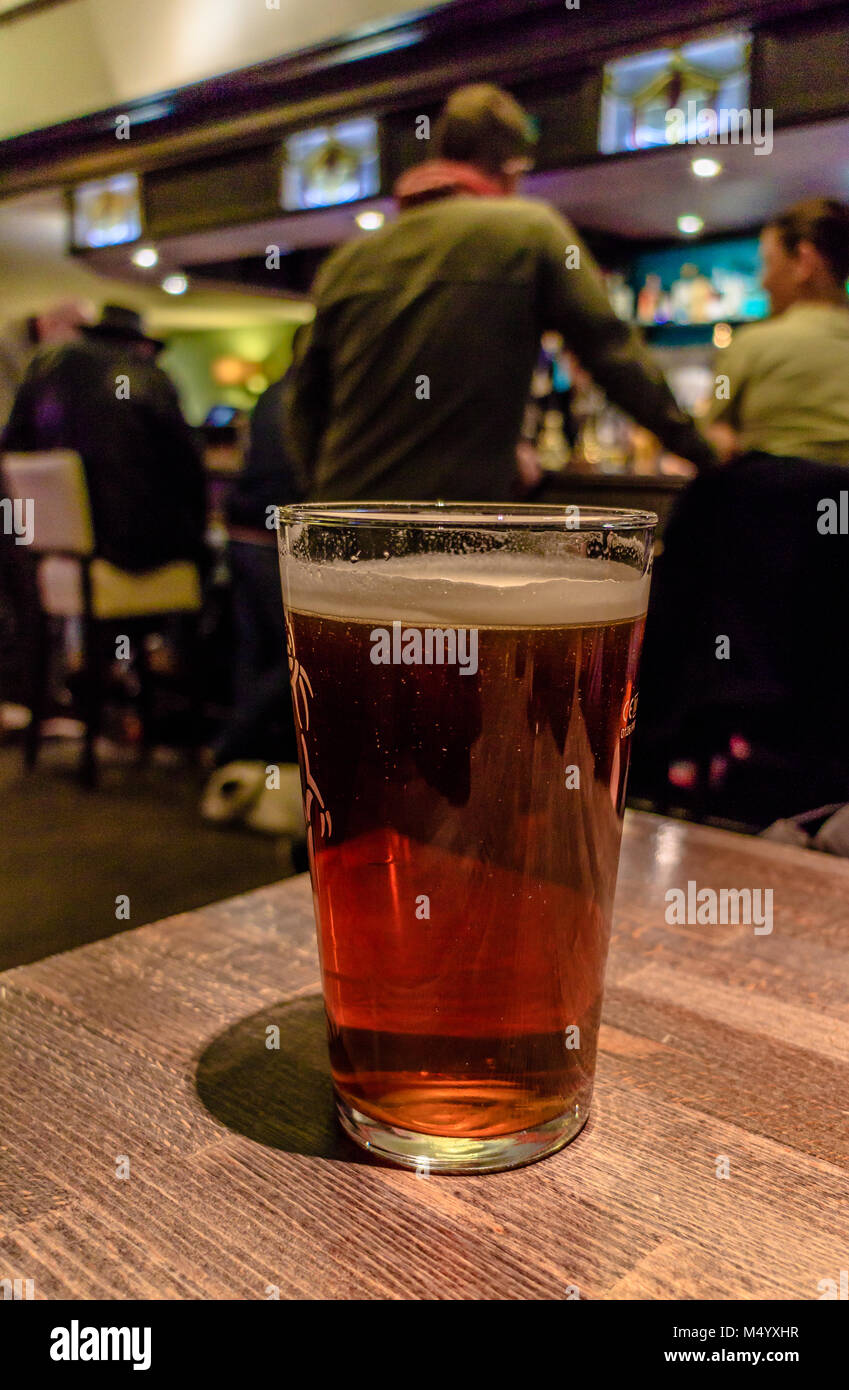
414	376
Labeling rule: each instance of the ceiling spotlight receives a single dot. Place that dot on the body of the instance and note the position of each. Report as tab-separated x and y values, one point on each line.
145	256
175	284
706	168
690	224
370	220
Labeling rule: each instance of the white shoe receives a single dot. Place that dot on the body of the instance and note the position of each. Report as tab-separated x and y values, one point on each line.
239	792
280	810
231	790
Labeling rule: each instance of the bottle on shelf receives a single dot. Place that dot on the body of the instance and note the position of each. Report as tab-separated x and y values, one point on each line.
552	448
621	296
648	300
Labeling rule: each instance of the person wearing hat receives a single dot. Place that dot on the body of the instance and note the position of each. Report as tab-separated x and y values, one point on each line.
413	380
104	397
118	324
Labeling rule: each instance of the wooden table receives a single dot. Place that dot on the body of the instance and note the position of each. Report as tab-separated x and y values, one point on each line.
717	1042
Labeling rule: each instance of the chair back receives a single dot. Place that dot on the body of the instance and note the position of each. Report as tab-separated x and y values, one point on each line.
50	488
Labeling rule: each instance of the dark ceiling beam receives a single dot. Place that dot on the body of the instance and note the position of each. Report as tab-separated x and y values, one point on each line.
415	59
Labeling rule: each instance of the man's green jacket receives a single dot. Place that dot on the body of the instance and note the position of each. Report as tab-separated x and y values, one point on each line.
414	376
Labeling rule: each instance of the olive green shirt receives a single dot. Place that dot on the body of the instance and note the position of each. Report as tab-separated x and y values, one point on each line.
413	379
787	387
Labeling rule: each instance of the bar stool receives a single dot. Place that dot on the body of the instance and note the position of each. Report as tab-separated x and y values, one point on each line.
72	581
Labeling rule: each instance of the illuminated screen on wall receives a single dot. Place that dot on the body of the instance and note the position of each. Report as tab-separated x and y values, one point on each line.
107	212
656	98
330	165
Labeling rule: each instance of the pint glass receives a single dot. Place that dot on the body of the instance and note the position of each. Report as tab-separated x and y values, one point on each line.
464	682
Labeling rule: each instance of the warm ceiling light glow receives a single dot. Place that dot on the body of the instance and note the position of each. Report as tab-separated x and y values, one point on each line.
706	168
145	256
690	224
370	220
175	284
230	371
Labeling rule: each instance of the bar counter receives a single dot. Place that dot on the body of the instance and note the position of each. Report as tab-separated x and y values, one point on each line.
653	492
721	1051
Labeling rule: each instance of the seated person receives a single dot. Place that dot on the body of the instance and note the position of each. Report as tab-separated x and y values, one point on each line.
105	398
261	725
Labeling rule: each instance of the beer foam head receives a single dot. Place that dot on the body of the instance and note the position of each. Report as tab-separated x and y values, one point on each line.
504	590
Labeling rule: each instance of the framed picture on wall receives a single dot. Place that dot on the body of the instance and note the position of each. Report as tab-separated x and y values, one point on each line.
107	212
330	165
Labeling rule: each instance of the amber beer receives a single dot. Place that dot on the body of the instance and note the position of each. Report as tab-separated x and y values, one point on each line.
464	726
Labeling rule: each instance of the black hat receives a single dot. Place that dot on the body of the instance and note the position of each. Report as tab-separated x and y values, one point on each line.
117	321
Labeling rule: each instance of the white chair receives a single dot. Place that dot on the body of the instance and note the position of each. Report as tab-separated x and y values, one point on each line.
71	581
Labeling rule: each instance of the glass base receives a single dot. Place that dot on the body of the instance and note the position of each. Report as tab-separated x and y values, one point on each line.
432	1153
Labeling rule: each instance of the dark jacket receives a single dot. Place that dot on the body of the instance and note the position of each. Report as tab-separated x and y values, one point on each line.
270	478
142	464
415	373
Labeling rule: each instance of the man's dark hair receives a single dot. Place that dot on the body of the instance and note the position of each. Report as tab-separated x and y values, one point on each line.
483	125
824	222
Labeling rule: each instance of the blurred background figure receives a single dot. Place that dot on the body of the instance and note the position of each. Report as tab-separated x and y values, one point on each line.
788	377
257	781
20	339
416	371
99	393
743	679
104	397
261	725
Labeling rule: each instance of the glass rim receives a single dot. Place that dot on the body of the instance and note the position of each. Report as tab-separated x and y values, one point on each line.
468	515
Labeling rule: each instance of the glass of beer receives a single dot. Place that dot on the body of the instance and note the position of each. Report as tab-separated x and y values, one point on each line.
464	682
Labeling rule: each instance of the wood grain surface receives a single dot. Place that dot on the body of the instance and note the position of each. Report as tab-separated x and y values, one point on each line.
150	1047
